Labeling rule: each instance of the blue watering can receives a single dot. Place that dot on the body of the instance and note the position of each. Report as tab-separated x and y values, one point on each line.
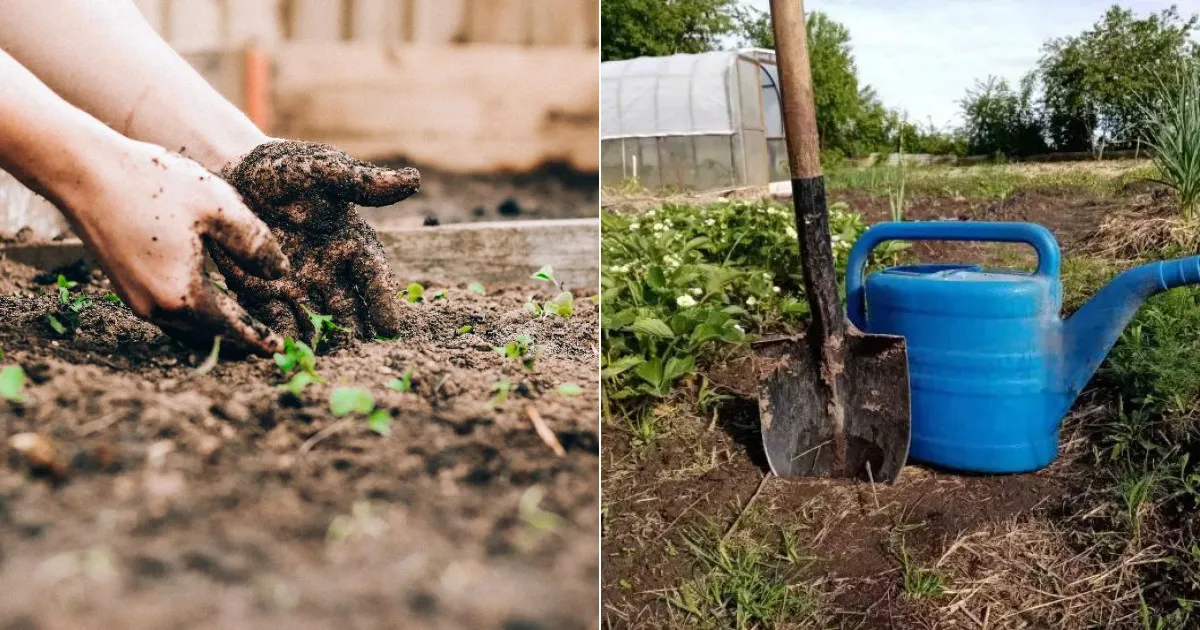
993	368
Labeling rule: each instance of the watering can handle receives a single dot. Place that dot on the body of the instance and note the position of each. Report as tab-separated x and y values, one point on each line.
1031	234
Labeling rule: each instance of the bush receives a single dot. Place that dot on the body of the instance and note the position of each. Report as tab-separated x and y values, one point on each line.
1173	134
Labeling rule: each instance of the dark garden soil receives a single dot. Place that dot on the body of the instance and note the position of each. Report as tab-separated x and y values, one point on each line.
151	496
700	476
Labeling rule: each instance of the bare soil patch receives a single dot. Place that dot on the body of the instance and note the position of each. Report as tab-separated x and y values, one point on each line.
176	499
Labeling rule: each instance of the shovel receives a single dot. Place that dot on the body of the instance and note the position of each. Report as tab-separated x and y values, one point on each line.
833	402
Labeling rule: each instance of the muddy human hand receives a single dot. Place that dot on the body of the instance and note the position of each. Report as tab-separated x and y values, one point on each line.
306	193
148	219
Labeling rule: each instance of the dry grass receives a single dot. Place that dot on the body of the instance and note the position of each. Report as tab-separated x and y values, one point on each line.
1025	575
1152	226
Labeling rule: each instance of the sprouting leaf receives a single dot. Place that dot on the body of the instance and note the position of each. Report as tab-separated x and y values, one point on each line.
56	325
464	329
402	384
213	356
296	355
570	389
476	287
298	382
12	381
321	324
563	305
347	400
501	388
414	293
380	421
440	295
533	307
546	274
113	298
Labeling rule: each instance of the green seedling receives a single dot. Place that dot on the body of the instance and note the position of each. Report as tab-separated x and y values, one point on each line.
66	321
383	338
297	355
570	389
563	305
344	401
546	274
502	389
402	384
322	326
12	382
521	349
439	295
113	298
414	293
298	382
464	329
476	288
533	307
213	356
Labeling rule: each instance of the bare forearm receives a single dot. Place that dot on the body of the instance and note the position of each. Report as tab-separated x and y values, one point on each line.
103	57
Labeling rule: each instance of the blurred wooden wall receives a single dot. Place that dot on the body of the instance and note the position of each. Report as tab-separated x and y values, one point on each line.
194	25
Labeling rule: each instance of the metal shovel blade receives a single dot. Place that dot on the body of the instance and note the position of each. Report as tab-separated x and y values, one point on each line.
800	414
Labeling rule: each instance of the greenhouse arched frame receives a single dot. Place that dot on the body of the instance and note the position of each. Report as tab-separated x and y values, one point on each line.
695	122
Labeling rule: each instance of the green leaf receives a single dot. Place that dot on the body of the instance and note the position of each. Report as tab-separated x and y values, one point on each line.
56	325
298	382
651	371
286	362
464	329
621	365
653	327
414	293
382	338
440	295
12	381
563	305
533	307
113	298
677	367
655	278
380	421
545	273
502	388
346	400
570	389
475	287
402	384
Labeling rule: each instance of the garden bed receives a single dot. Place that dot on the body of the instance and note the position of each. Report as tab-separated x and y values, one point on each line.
153	495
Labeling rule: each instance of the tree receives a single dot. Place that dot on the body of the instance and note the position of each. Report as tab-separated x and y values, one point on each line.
654	28
998	119
1094	84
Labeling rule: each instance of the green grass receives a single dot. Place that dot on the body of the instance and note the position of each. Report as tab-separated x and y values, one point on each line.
918	582
987	181
1173	134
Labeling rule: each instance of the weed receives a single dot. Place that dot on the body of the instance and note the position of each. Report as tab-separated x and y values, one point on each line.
344	401
402	384
465	329
918	582
521	349
645	429
476	288
12	383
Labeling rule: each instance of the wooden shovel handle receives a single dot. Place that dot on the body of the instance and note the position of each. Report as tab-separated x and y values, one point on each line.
796	88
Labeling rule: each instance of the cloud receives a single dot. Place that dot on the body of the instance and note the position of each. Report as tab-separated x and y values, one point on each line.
922	56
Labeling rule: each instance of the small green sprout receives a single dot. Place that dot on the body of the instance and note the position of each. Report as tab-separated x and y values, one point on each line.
545	274
12	381
533	307
464	329
563	305
476	288
297	355
502	388
298	382
322	325
383	338
113	298
402	384
521	349
440	295
344	401
213	356
67	319
570	389
414	293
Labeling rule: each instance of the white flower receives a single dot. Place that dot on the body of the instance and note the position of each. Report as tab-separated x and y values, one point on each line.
685	301
710	222
658	227
634	226
739	329
651	213
790	231
776	289
697	291
750	301
767	275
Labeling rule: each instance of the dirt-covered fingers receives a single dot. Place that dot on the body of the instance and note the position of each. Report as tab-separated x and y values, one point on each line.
209	313
247	241
377	287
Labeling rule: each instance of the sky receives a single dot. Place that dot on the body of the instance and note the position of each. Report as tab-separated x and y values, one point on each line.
921	56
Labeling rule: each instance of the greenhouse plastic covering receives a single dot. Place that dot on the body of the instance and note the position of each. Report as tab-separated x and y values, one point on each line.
663	96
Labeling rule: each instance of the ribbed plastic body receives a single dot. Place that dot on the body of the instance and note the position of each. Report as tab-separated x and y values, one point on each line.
980	348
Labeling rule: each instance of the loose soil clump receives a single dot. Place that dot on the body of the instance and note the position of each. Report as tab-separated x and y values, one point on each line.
156	496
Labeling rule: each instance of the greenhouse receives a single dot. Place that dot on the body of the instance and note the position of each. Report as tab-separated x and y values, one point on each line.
696	122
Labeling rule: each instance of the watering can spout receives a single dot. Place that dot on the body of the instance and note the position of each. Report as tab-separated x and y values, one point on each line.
1091	332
